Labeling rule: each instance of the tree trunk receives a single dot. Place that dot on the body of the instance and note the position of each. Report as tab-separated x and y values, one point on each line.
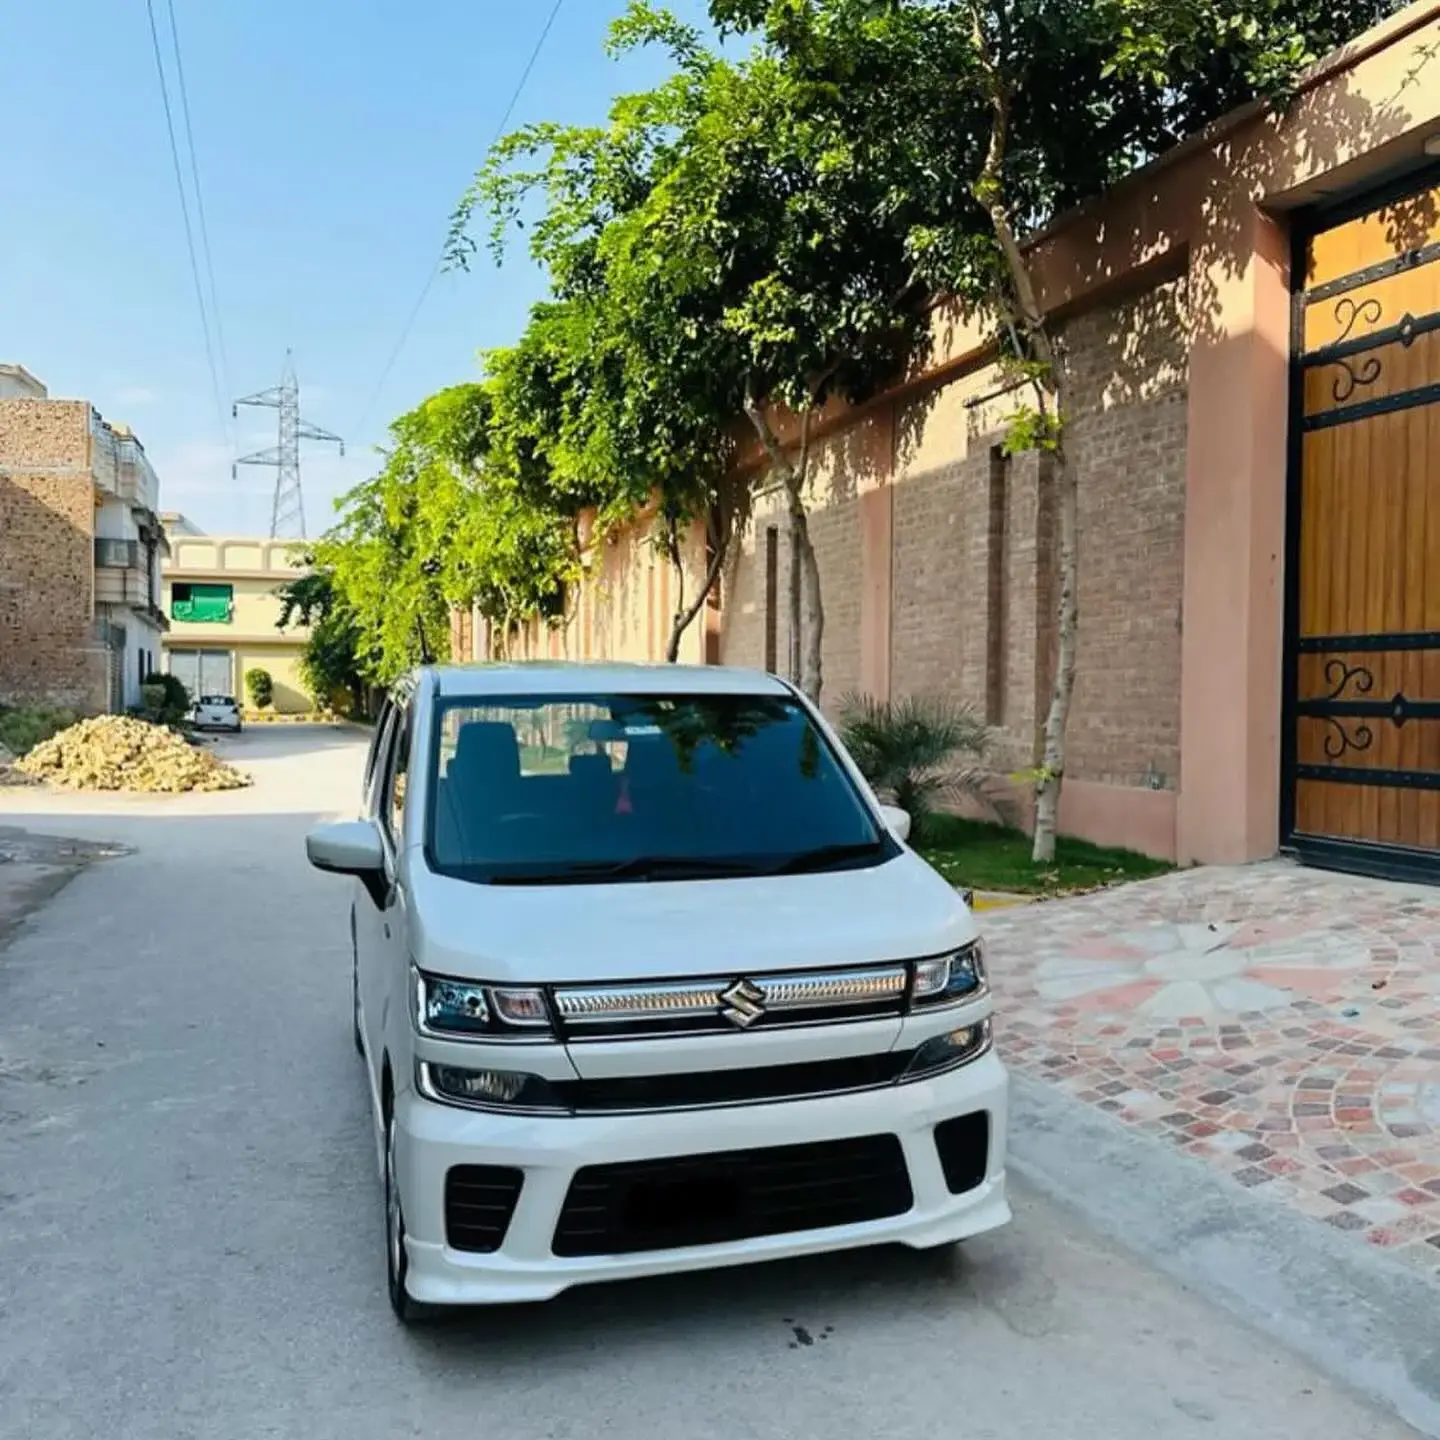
1052	772
806	606
684	617
1050	391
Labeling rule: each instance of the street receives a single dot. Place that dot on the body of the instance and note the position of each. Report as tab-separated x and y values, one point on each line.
190	1219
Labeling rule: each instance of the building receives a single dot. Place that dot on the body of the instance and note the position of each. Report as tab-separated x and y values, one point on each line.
80	553
1253	326
222	597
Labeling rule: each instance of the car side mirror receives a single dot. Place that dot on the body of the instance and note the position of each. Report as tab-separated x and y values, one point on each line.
349	847
898	821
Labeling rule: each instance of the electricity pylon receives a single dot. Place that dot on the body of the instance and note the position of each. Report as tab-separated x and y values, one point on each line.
287	512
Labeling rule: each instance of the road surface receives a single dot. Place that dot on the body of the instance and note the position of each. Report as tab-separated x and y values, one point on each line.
190	1224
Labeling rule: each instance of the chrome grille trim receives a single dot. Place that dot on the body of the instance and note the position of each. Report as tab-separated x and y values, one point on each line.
784	994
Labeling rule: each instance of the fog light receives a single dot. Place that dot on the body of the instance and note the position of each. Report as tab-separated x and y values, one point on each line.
486	1089
945	1052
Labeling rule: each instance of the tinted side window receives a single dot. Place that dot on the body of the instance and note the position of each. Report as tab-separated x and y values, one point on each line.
375	798
399	772
377	746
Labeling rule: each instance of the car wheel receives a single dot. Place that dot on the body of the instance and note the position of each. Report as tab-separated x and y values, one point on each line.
397	1263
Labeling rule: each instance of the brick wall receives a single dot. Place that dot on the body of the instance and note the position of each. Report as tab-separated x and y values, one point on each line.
45	433
962	600
48	650
1127	437
621	609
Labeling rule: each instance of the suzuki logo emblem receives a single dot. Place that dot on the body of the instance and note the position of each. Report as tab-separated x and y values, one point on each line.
743	1003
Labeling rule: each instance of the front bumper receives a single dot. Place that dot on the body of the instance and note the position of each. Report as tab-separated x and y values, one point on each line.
549	1150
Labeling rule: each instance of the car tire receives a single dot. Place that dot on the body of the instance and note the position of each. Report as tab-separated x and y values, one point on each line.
397	1263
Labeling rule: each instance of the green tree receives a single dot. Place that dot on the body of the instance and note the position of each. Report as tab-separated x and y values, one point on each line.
986	118
329	664
444	523
720	240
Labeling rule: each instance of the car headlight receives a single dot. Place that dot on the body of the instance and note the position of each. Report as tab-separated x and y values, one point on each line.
502	1090
468	1009
949	979
946	1052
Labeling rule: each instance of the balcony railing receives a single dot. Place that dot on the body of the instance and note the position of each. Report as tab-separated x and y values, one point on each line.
136	475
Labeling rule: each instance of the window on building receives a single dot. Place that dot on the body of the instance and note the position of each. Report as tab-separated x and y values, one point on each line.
212	604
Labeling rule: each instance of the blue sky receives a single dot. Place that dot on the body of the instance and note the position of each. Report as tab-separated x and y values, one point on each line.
334	137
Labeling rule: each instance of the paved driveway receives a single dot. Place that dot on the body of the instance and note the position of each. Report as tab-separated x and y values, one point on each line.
190	1241
1280	1024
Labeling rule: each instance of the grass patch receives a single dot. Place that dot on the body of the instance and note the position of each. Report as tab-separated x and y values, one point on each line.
975	855
23	727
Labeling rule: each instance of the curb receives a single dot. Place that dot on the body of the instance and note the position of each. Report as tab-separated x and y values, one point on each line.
1362	1317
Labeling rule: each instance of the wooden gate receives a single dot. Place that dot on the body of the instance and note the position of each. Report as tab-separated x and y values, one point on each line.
1362	751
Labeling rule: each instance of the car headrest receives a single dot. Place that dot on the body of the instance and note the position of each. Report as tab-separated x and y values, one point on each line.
486	750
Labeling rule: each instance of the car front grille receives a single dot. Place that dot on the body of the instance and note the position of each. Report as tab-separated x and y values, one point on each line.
480	1202
736	1195
964	1148
724	1005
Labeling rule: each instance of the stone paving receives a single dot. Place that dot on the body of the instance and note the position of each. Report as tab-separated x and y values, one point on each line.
1282	1024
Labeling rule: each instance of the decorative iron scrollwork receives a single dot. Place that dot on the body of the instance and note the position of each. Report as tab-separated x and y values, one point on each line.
1345	384
1339	740
1338	675
1349	314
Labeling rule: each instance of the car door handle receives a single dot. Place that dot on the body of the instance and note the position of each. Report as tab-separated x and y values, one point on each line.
387	929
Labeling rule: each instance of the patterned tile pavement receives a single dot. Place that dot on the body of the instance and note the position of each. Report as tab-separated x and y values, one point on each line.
1282	1024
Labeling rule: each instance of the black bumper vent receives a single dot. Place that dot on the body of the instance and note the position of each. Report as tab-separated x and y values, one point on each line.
479	1204
737	1195
964	1146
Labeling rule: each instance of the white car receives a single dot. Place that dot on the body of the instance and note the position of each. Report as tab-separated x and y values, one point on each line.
217	712
647	980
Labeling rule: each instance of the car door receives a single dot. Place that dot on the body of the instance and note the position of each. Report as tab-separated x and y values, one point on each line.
368	904
384	976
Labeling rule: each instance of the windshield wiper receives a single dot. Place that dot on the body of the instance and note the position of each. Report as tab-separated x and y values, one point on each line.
639	867
827	856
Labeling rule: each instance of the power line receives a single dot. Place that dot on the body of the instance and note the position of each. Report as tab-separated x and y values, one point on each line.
436	269
185	215
203	226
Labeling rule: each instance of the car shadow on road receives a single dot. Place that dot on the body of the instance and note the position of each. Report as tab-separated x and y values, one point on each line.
803	1303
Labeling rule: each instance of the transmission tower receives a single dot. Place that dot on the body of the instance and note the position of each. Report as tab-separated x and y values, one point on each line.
287	513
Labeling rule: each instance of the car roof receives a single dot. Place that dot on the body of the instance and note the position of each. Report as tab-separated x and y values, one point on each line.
542	677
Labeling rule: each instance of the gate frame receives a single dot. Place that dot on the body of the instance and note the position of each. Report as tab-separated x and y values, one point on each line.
1356	857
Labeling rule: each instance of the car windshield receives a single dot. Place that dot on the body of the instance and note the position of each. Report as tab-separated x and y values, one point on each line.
590	788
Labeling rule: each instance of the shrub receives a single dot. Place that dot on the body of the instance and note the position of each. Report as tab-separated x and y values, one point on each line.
152	702
176	703
260	687
921	753
23	727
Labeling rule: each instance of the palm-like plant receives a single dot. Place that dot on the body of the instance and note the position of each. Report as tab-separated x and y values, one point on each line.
921	752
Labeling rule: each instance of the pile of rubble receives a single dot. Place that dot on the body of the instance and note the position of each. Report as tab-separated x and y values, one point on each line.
115	752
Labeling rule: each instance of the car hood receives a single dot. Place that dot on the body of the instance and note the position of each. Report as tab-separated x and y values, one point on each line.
669	929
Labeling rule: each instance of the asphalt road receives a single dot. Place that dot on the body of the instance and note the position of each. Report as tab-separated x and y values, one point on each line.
190	1227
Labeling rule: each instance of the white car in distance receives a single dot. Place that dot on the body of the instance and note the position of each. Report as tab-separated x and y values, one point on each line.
216	712
647	980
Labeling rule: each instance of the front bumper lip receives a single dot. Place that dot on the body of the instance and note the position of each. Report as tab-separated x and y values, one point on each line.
431	1138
